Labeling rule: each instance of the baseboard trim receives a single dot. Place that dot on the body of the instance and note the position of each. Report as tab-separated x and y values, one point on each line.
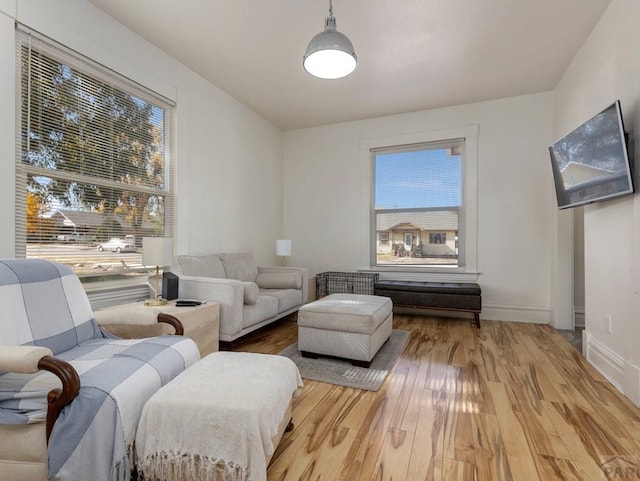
491	312
607	362
578	317
620	372
516	313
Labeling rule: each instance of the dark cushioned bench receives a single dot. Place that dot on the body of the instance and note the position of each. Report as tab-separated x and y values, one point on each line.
450	296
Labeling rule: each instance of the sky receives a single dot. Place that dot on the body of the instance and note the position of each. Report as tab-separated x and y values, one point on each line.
425	178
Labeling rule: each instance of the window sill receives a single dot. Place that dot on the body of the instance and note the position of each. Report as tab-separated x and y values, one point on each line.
101	286
432	274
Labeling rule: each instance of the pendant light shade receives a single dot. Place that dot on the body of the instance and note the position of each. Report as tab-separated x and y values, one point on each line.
330	54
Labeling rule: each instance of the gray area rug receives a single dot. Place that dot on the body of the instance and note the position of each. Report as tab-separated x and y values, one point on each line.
343	373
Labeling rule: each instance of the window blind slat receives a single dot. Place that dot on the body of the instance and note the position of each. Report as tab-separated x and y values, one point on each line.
418	204
95	160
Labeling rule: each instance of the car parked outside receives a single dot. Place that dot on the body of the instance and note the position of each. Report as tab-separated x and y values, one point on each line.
115	244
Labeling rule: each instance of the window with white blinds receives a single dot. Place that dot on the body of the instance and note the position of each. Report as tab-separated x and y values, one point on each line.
418	204
94	162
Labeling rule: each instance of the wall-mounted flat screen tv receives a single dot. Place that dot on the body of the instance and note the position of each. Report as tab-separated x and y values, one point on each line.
592	162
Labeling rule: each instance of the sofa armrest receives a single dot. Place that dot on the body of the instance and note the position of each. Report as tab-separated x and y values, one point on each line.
31	359
229	293
283	270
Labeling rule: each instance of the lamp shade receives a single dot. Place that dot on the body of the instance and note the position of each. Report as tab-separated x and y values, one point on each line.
330	54
157	251
283	247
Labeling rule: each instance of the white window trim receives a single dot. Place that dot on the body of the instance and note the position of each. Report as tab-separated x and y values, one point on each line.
158	92
470	195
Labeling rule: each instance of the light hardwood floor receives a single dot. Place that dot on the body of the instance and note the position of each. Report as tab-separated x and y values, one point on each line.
509	401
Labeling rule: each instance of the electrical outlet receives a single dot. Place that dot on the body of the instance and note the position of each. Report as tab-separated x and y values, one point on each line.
609	322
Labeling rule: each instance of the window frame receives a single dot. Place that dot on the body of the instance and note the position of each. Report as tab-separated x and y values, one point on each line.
439	236
467	270
408	237
94	70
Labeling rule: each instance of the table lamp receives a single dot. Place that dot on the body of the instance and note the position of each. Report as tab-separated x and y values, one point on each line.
283	248
157	251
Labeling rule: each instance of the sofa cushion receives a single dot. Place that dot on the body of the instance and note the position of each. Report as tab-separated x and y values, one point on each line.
287	298
279	280
241	267
202	266
263	309
250	292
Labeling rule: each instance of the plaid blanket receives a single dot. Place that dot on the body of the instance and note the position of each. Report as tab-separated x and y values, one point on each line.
44	304
93	436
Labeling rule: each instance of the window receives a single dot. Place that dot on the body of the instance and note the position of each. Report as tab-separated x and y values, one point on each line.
94	171
384	238
437	237
418	194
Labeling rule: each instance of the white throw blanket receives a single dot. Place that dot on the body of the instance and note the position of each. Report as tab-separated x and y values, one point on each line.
216	420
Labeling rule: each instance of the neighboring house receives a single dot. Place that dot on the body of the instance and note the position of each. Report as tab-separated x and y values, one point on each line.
67	221
423	233
574	174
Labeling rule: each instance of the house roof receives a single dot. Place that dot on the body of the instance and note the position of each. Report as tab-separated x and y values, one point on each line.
79	218
575	173
423	220
412	55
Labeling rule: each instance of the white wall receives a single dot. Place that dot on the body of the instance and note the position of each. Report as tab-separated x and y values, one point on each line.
325	184
229	159
606	68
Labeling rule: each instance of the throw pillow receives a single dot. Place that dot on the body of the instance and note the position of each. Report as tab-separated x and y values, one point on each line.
250	292
202	266
241	267
279	280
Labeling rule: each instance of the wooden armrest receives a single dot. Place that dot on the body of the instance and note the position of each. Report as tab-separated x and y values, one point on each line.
174	321
31	359
59	398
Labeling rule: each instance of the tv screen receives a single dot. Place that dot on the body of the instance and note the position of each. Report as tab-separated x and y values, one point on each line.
592	163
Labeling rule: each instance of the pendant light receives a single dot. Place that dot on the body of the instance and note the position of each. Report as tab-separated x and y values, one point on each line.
330	54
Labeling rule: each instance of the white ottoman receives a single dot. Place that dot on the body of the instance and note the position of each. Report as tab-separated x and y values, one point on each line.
350	326
221	418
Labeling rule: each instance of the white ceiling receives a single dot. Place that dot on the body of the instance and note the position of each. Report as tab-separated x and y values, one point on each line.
412	54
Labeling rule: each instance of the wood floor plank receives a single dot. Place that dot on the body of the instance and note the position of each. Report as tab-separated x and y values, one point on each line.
427	452
394	457
490	455
586	465
453	470
308	438
366	448
506	402
556	469
329	456
523	466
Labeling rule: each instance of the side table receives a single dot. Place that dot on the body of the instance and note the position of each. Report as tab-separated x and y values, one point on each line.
201	323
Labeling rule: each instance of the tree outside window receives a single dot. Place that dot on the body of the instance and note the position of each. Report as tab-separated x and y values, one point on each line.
93	161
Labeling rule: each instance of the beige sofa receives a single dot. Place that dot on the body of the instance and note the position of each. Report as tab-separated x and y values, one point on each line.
249	296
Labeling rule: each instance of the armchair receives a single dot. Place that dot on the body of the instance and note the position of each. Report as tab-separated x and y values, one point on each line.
70	395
